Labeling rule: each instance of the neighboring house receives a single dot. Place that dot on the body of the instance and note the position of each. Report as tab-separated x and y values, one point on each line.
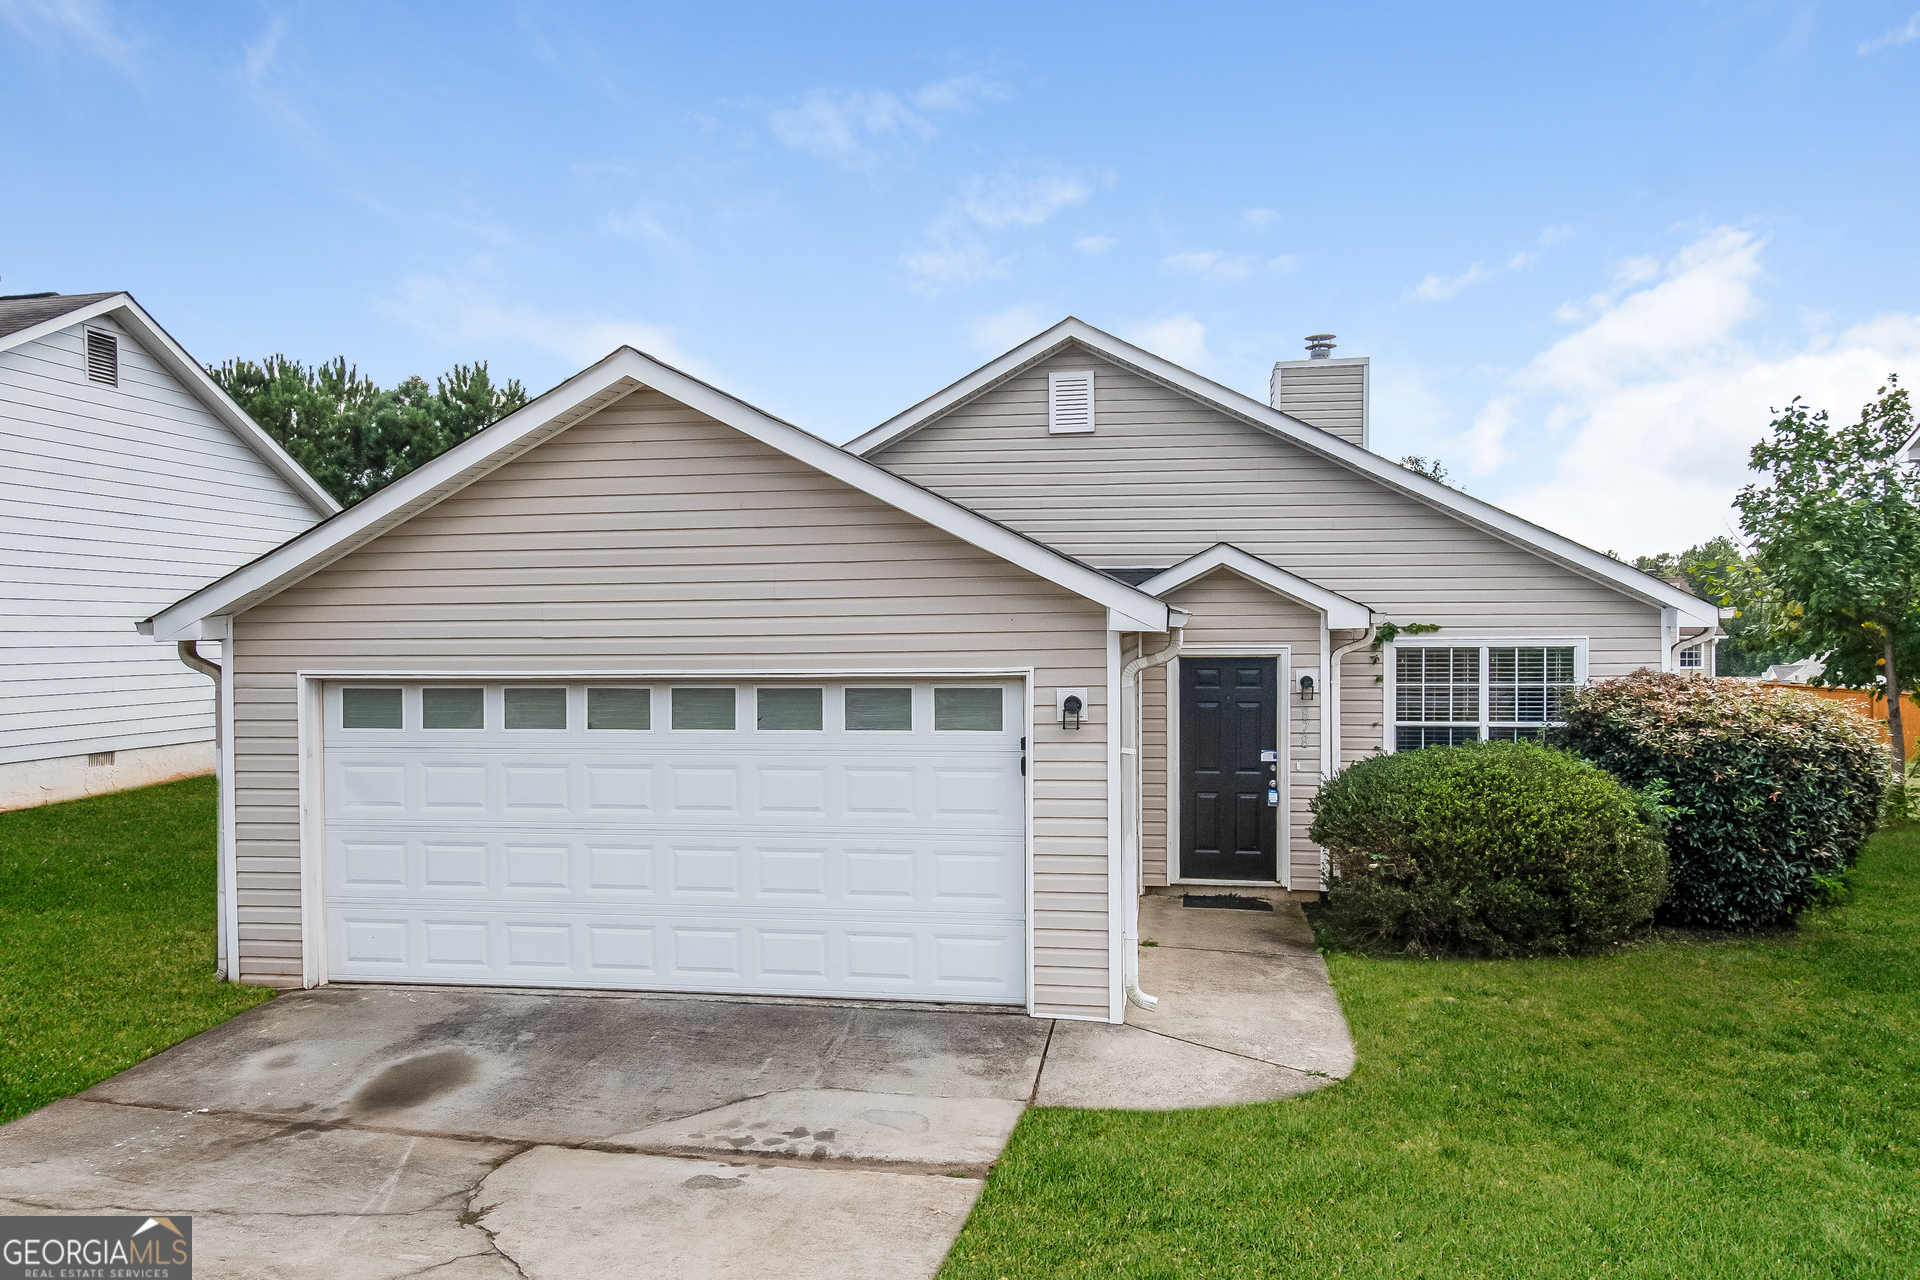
1796	672
643	688
129	479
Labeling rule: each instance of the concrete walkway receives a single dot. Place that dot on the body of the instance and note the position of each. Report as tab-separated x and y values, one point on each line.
1246	1014
381	1132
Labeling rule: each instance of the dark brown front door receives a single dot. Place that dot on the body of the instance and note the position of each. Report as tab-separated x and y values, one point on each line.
1228	717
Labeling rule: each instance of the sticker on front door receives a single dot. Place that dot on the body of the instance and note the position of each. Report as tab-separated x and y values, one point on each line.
1229	721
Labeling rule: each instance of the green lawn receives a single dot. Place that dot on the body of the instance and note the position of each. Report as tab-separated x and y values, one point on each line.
106	938
1737	1108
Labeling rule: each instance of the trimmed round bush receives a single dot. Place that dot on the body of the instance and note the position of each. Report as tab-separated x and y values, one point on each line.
1493	849
1769	787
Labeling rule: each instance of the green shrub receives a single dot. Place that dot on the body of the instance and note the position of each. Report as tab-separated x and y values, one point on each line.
1498	848
1773	788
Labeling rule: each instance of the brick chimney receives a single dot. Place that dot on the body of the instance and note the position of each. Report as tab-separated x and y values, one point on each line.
1324	392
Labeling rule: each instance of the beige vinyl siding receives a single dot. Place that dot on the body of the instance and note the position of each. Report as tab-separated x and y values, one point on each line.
1329	394
652	537
1229	610
1166	477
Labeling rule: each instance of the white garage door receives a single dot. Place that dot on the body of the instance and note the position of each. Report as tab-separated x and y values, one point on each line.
822	839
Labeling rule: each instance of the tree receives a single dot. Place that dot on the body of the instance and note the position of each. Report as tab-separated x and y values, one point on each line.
1428	467
1719	570
350	434
1836	539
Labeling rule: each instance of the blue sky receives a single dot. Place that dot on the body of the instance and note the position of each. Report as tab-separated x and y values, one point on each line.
1586	249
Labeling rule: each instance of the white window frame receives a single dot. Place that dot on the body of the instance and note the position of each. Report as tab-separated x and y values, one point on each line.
1390	669
1699	664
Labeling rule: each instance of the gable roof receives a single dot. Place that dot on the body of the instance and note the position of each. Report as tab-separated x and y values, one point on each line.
1341	612
1482	515
613	378
26	318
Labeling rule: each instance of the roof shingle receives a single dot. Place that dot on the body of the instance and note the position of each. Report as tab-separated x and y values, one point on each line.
25	311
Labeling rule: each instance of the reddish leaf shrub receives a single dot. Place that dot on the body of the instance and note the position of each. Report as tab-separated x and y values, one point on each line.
1770	787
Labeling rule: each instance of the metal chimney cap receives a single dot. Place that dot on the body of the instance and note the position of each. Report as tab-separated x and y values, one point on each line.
1319	346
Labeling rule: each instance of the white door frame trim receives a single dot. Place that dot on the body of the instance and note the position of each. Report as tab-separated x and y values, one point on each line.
1283	733
310	723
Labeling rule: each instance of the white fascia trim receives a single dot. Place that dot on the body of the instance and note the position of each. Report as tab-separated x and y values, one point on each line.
1340	612
1504	525
122	309
613	378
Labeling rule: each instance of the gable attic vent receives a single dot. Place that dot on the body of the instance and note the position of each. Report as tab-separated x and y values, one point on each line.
103	358
1070	402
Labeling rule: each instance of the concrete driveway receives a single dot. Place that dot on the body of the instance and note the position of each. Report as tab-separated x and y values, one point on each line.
382	1132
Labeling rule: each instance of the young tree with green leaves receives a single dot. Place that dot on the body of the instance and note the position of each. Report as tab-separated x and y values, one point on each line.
1836	538
353	436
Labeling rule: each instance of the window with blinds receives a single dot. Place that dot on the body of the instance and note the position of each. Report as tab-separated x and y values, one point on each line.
1070	402
1447	695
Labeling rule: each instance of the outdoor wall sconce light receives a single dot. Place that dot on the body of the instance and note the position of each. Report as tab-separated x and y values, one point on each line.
1071	707
1306	688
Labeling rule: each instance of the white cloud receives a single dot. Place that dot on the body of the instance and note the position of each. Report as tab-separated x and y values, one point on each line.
1650	409
638	223
1437	288
960	251
1006	329
837	127
260	55
1259	219
88	24
1899	35
1224	268
1209	264
959	93
846	126
1025	199
1094	246
948	263
459	314
1181	339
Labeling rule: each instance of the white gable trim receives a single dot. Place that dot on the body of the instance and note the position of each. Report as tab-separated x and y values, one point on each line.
1340	612
1491	519
613	378
187	371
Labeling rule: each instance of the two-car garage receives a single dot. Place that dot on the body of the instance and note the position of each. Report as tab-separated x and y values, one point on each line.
778	835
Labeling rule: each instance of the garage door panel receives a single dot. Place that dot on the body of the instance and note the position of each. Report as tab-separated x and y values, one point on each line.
816	863
949	875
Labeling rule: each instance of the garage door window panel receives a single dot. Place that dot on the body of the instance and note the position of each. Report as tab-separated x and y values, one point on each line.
620	709
365	708
879	710
537	708
972	709
704	708
790	710
452	708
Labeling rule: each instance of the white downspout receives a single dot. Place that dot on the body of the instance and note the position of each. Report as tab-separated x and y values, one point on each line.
189	651
1131	815
1333	698
1331	705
